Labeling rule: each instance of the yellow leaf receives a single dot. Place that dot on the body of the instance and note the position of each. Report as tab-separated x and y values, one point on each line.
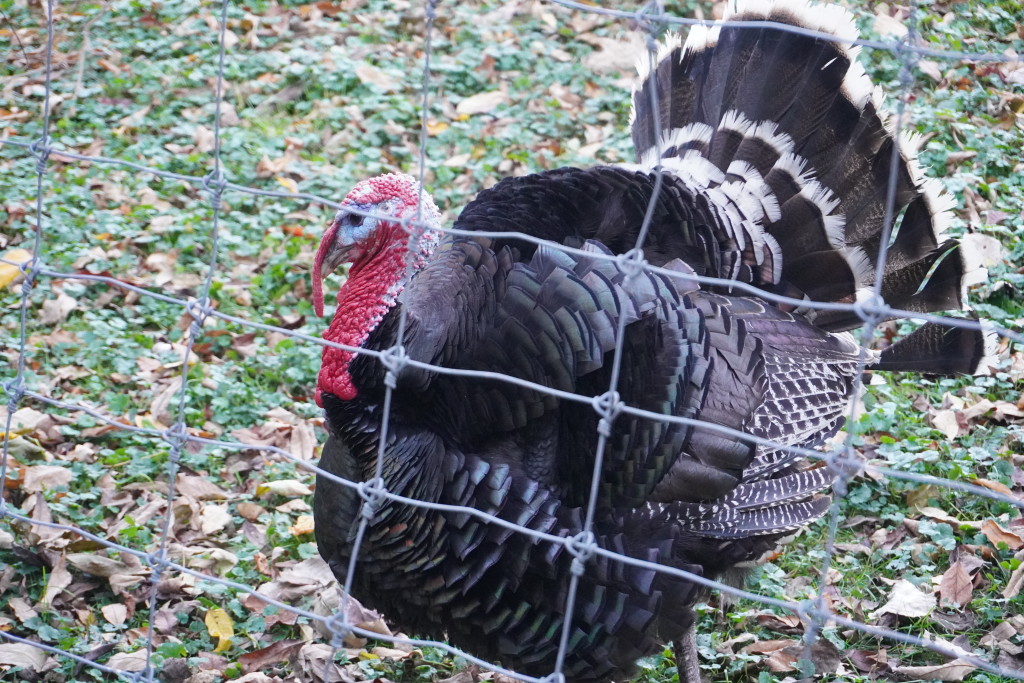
9	271
303	525
220	626
288	184
435	127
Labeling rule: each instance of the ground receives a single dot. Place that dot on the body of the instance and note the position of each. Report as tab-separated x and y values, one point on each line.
316	97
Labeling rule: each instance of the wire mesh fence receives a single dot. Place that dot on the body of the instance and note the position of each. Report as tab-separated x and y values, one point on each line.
22	387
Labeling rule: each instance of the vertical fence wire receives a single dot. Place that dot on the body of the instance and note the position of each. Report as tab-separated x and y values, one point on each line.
581	547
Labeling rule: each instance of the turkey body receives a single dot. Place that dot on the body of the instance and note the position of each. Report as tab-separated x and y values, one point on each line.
774	166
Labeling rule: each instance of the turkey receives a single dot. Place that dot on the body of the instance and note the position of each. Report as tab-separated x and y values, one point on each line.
775	161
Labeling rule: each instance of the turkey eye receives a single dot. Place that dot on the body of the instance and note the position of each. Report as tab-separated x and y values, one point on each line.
353	219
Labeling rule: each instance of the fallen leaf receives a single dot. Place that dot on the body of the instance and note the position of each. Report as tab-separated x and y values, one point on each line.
303	525
45	477
129	661
288	184
997	534
283	487
281	651
250	511
56	310
137	117
930	69
955	670
220	626
481	103
204	139
9	272
59	579
115	613
214	518
1016	582
946	422
996	486
199	488
957	586
371	75
21	654
906	600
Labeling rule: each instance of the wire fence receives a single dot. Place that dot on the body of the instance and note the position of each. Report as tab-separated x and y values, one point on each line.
651	20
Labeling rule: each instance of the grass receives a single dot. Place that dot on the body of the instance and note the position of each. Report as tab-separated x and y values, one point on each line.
318	96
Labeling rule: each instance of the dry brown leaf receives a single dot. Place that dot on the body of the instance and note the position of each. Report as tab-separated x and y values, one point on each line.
481	103
214	518
727	646
21	609
59	579
281	651
906	600
997	534
115	613
1016	582
955	670
996	486
45	477
303	442
614	56
250	511
946	422
763	647
199	488
119	574
957	586
20	654
204	139
283	487
137	117
371	75
56	310
303	525
129	661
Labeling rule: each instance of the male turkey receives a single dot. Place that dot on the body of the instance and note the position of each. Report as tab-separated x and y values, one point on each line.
776	163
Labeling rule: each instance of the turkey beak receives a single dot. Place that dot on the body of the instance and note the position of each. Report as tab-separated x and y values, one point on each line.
329	257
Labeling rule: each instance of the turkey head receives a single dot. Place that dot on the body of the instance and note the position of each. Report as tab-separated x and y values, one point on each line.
377	247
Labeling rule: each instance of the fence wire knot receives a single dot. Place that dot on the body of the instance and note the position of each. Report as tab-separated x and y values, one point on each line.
214	183
372	492
157	560
632	263
557	677
582	547
176	436
199	309
393	360
339	627
608	405
15	390
845	463
871	309
648	19
40	149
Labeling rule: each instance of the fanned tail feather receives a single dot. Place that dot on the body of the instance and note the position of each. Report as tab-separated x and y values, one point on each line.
801	170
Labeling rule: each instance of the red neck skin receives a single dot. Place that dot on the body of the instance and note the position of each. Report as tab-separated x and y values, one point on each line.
371	290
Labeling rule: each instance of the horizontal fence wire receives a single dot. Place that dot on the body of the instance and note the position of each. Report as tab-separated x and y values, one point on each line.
652	19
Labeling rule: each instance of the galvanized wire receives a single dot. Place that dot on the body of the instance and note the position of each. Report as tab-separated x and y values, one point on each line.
652	18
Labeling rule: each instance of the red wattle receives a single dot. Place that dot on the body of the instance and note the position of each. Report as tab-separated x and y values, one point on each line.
363	301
